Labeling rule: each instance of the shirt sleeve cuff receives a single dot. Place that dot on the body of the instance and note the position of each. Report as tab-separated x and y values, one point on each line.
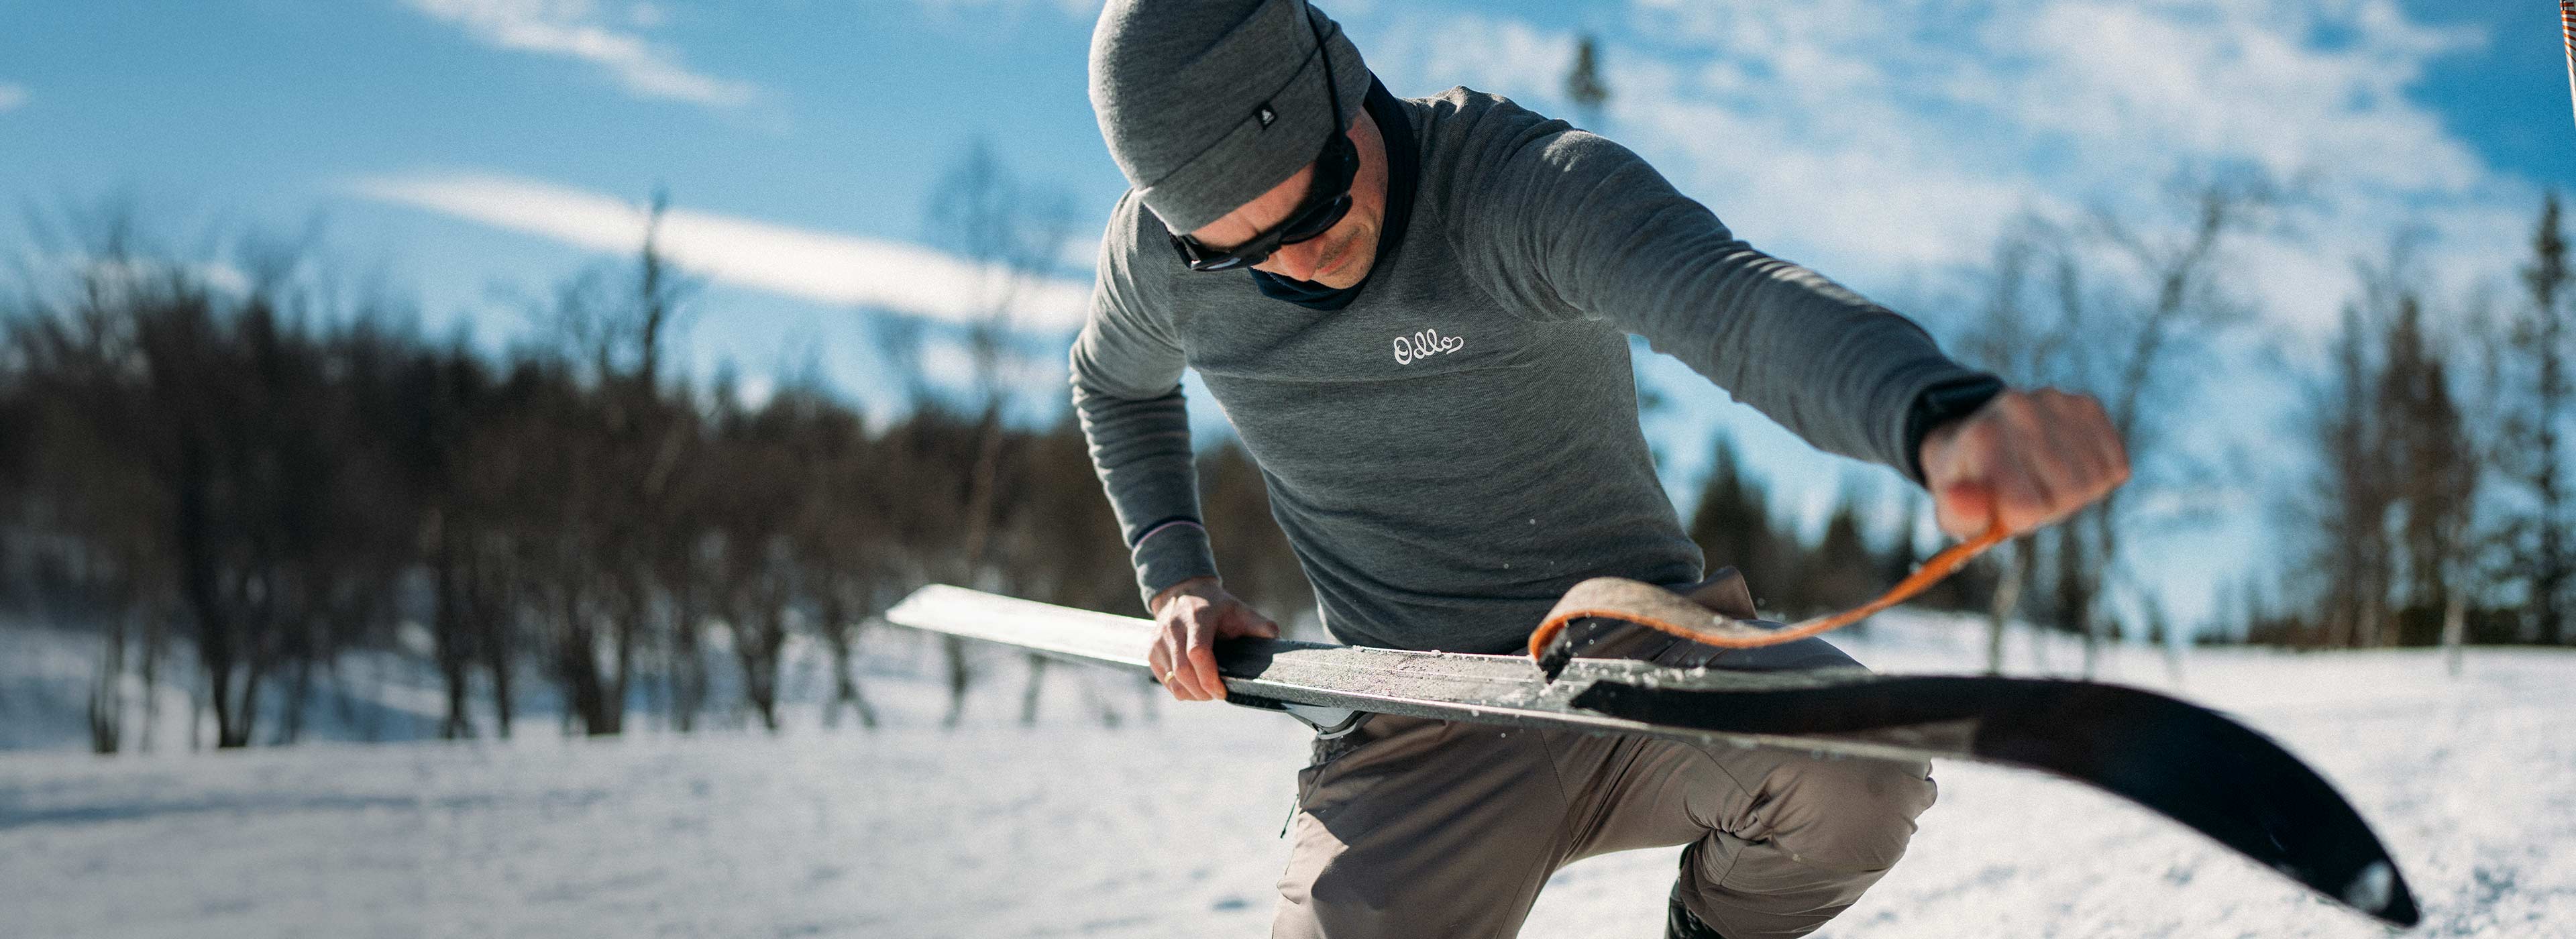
1943	401
1170	553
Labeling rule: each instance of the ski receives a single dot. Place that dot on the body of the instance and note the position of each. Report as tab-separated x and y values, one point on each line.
2185	762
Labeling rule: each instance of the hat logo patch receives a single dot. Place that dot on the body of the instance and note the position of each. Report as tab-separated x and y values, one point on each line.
1264	114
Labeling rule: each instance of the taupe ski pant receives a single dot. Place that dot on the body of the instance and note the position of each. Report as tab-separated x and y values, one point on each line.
1423	828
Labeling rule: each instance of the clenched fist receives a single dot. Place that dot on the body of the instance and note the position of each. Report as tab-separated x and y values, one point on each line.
1190	617
2024	459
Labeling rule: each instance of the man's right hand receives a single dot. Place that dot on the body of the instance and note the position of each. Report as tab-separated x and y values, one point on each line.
1190	617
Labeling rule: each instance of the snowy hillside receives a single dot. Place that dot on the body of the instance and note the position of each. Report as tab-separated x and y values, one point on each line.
1168	827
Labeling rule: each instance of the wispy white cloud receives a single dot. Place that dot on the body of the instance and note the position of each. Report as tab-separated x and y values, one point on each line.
824	267
1892	138
12	96
950	364
595	33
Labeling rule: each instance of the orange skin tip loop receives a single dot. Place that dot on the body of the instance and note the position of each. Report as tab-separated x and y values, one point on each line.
1730	635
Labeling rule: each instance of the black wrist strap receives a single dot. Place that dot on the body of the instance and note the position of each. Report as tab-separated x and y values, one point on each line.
1940	404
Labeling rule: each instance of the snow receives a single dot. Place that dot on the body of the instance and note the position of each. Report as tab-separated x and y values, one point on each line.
1168	826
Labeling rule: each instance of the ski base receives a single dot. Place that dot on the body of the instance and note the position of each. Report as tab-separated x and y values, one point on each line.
2185	762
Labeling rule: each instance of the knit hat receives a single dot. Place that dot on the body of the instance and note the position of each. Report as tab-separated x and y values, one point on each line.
1206	104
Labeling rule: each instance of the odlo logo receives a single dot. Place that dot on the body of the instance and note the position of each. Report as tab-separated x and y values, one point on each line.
1423	345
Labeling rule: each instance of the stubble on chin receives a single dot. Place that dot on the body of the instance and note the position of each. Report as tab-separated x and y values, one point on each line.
1361	238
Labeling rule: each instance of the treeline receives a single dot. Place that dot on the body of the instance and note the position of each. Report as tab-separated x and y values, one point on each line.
248	476
2437	510
247	471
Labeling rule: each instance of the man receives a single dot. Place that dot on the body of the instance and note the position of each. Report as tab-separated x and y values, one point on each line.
1414	312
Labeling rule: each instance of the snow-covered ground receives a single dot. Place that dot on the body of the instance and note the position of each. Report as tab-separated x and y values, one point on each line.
1167	827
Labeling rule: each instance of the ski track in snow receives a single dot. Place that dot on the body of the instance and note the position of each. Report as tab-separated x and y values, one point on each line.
1168	826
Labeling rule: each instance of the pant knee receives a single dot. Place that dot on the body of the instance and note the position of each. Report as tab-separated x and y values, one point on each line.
1852	815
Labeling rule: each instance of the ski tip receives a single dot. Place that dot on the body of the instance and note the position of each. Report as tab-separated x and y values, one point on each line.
2376	890
2380	892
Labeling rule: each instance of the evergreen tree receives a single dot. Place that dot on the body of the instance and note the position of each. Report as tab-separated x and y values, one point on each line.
1732	525
1842	569
2433	473
1901	556
2541	338
1583	83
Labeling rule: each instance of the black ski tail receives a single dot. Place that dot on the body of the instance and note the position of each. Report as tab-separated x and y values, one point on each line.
2182	761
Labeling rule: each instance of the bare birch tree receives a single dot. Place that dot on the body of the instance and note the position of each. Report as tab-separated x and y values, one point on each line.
1010	231
2016	342
2179	302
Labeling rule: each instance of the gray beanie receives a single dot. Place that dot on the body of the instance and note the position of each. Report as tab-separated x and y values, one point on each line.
1206	104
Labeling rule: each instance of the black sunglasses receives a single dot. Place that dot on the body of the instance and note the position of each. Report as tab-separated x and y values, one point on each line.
1316	214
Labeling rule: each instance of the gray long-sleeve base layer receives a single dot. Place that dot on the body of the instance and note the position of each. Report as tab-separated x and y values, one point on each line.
1457	447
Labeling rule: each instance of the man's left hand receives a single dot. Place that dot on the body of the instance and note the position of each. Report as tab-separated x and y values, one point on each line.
2024	459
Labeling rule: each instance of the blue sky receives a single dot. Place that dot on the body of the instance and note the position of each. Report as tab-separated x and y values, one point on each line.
477	151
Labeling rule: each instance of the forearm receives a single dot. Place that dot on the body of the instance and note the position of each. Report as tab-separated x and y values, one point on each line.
1141	450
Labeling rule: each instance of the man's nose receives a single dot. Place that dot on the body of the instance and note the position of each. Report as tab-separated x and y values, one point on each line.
1297	261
